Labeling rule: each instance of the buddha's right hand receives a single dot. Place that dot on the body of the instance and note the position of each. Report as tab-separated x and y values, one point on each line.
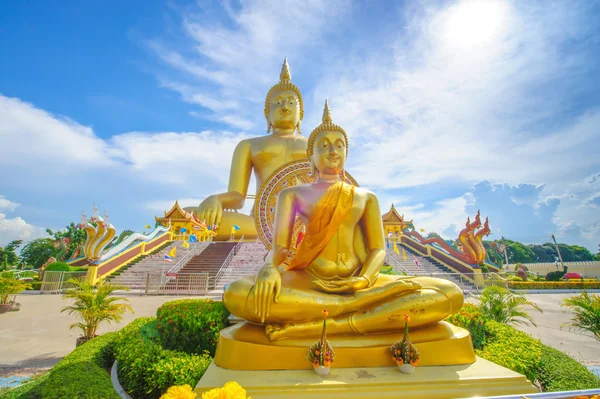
266	290
211	210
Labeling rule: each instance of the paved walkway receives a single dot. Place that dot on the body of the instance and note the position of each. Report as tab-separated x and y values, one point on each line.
38	335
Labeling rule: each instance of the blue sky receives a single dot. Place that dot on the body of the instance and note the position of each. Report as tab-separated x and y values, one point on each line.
450	106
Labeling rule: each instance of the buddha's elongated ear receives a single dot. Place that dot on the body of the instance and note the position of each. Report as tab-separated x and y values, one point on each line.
269	127
313	171
298	126
343	174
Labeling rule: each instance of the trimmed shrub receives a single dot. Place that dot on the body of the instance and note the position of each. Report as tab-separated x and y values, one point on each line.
552	285
470	318
191	325
514	278
512	349
388	269
57	267
560	372
83	373
83	380
146	370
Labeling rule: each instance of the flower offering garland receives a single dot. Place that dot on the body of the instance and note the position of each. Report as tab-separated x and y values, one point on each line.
404	352
321	353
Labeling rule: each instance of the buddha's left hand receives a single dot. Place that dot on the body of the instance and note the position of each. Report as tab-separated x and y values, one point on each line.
344	285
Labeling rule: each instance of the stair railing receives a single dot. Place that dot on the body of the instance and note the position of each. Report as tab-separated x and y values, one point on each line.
227	261
390	260
198	248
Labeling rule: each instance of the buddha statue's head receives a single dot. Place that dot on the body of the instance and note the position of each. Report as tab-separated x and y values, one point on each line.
327	147
284	108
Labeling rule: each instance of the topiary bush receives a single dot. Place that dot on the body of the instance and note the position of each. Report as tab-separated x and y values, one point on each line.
470	318
146	370
83	373
512	349
560	372
57	267
191	325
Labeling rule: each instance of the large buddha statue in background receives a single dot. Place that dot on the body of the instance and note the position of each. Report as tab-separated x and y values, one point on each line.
263	155
337	265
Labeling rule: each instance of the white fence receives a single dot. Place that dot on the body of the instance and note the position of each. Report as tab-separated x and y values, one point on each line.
56	282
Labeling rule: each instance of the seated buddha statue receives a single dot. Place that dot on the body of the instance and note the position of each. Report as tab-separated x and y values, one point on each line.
284	110
337	264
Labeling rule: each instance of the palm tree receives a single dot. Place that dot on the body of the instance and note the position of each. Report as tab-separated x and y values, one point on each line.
586	313
499	304
94	306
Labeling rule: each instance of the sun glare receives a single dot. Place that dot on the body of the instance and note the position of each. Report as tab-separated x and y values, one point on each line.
474	22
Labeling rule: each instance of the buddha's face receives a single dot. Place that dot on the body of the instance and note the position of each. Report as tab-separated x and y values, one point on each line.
284	112
329	152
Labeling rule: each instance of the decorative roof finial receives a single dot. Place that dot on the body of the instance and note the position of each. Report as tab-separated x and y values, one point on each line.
327	113
106	221
285	75
95	213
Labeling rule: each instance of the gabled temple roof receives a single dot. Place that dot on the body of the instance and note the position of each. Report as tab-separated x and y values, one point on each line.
393	217
177	214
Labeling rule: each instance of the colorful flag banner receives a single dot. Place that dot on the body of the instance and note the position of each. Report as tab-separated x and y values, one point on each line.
185	245
396	250
197	228
168	258
403	253
235	226
182	230
416	261
147	226
173	252
193	239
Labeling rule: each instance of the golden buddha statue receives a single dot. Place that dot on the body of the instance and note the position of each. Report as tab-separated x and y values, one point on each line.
284	110
337	265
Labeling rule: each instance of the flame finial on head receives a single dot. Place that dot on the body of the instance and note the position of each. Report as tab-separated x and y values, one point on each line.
327	124
327	113
285	75
284	83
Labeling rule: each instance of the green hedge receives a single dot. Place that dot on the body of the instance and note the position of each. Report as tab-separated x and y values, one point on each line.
512	349
552	285
471	318
191	325
560	372
82	374
146	370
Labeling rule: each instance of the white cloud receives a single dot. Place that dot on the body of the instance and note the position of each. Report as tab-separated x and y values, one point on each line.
235	53
7	205
433	111
18	229
35	136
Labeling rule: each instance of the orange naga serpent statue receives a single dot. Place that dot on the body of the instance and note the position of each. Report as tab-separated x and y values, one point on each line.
472	250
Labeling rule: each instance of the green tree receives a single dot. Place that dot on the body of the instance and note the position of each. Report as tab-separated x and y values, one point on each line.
8	254
36	252
75	235
582	254
499	304
519	253
586	313
544	253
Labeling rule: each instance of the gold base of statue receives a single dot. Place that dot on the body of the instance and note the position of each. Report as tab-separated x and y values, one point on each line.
482	378
245	346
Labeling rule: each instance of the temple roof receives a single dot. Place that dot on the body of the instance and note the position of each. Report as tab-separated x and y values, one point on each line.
177	214
393	217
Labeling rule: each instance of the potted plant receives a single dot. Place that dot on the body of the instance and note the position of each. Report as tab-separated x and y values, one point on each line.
94	306
404	352
321	353
10	286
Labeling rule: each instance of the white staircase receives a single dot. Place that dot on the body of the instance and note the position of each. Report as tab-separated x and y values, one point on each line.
247	262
